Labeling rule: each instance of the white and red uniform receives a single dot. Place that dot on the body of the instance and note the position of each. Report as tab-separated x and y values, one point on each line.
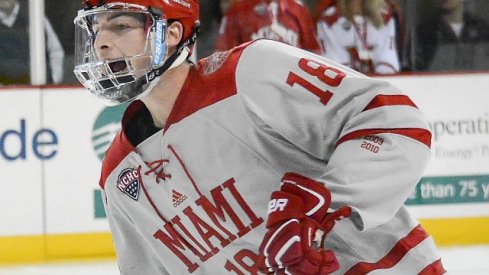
193	197
359	44
287	21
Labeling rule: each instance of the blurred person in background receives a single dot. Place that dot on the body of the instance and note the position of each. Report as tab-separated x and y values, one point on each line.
225	4
287	21
211	14
360	34
449	39
14	41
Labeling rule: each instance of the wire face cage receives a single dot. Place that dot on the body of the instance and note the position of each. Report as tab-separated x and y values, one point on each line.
116	47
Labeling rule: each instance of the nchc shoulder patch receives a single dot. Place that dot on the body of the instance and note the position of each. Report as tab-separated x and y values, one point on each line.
128	183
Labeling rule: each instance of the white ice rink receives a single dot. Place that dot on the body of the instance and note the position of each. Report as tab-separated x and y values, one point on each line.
458	261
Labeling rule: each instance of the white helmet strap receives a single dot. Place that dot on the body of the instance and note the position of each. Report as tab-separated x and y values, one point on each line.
177	61
178	57
181	58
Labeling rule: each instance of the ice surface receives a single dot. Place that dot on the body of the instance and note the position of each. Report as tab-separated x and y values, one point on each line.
472	260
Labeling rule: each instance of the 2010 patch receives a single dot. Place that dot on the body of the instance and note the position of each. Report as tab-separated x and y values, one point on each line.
128	183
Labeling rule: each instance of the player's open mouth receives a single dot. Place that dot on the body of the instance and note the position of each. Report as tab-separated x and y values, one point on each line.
118	66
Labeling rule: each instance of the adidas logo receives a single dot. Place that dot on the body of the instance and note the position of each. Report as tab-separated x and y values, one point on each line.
178	198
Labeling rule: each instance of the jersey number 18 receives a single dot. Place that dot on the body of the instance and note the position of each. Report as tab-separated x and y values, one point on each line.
328	75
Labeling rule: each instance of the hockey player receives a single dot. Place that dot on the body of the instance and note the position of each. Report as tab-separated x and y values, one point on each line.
287	21
262	159
360	34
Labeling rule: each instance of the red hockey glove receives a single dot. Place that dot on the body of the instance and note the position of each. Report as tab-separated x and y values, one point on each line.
297	219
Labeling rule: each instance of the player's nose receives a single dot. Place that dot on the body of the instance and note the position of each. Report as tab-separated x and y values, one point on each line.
104	43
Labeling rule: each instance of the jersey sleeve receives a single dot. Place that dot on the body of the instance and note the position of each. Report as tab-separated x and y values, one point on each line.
372	138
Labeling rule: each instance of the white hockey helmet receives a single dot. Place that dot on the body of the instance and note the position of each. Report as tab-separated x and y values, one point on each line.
121	79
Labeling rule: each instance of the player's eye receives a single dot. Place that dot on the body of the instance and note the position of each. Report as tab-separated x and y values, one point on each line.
117	28
121	27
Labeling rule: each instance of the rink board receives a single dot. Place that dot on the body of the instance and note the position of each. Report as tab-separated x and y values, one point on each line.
53	139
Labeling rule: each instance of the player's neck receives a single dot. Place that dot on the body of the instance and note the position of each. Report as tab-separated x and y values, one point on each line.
161	99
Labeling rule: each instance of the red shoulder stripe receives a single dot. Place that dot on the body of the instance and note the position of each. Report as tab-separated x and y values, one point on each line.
421	135
435	268
117	151
400	249
120	147
389	100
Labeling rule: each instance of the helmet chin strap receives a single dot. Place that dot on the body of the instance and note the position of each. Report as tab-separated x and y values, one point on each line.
178	57
173	61
150	87
184	54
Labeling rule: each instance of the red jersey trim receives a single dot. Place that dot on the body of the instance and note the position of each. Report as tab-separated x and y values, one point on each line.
421	135
389	100
117	151
153	205
211	88
435	268
120	147
192	98
394	256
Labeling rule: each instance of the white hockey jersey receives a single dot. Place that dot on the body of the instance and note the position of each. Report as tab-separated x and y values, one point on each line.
359	44
193	197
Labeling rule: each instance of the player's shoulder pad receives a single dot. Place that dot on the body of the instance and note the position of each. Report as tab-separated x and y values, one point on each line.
268	53
266	64
221	64
264	54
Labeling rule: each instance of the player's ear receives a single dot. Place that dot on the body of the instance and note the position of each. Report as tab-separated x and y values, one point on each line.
174	34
